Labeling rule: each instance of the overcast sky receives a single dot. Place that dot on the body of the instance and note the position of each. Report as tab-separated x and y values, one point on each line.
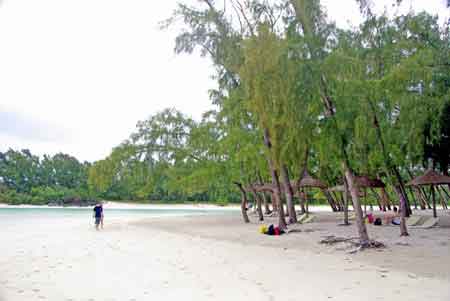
76	76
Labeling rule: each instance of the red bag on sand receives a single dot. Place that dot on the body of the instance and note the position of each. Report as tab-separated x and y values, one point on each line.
370	218
277	231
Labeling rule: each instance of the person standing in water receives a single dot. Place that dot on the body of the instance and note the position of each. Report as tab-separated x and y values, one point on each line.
98	215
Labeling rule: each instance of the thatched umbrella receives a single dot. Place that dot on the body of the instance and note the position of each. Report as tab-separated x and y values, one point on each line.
307	181
267	187
365	182
430	177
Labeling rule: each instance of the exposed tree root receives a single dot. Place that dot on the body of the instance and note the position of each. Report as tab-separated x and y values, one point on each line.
354	241
331	240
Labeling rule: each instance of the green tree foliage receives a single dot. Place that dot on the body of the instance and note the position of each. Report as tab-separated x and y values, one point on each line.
26	178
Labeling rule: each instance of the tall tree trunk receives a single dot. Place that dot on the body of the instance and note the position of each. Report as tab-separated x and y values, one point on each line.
243	202
419	196
354	192
264	197
266	203
339	200
426	198
390	166
258	203
274	202
403	191
413	196
365	201
303	169
403	229
385	197
345	195
330	200
289	194
377	197
275	182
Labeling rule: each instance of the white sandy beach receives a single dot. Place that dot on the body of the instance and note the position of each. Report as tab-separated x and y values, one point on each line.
215	258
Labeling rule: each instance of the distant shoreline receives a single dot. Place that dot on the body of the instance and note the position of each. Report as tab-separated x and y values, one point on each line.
130	205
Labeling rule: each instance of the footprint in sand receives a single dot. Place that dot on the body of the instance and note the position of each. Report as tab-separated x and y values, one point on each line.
36	290
42	297
404	285
20	291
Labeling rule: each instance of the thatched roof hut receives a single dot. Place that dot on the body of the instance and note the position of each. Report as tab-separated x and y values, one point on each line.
366	182
308	181
363	182
430	177
266	187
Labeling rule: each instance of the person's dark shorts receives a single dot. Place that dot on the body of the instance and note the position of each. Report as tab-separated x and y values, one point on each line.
97	220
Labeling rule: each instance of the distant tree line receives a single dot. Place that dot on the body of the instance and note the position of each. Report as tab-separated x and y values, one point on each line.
27	179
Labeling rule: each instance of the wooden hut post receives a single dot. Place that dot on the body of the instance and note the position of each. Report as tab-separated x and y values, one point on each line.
413	196
302	200
307	201
434	201
441	198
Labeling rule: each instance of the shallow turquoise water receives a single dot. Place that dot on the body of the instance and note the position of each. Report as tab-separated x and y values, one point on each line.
30	213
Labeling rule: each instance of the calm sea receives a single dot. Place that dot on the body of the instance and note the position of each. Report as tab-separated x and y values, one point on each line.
8	214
